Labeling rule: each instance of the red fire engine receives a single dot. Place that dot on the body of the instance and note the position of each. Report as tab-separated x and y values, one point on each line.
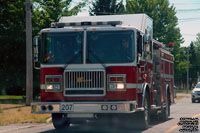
100	66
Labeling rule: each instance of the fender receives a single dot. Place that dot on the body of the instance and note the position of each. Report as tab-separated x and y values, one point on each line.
167	88
144	88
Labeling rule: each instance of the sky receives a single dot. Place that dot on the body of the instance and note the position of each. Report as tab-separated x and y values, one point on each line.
188	14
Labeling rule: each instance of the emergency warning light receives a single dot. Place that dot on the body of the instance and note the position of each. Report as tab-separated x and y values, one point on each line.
61	25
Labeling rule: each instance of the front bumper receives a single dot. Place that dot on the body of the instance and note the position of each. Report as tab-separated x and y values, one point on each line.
195	96
84	107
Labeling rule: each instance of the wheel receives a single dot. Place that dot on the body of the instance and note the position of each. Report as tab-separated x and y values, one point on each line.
166	111
60	121
193	100
144	116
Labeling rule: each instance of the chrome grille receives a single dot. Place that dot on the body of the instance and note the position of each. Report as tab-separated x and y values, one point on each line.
84	83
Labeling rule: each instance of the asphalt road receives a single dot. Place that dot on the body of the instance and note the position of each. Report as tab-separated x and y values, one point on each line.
182	109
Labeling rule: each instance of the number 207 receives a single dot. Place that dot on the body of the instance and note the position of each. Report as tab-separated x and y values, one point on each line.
66	107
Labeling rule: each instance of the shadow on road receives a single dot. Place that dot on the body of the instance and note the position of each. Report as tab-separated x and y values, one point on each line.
105	127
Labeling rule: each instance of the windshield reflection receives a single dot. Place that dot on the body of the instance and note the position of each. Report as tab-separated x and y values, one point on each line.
107	46
110	46
61	47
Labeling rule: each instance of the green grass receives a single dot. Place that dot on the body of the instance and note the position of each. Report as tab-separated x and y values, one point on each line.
7	97
184	91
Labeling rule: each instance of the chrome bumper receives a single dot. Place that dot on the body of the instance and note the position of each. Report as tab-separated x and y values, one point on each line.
84	107
195	96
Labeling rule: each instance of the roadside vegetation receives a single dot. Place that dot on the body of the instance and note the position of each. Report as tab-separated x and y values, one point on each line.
184	91
19	113
13	110
7	97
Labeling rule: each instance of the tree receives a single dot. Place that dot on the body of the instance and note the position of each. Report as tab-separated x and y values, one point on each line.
197	42
12	38
47	11
197	53
193	65
164	19
106	7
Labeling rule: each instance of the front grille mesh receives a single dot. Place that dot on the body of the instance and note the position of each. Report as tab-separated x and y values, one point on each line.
84	80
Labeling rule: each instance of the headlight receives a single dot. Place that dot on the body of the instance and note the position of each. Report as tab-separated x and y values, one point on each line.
116	82
193	91
49	87
53	87
53	83
120	86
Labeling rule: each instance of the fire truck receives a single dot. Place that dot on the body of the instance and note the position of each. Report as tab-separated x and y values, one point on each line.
94	67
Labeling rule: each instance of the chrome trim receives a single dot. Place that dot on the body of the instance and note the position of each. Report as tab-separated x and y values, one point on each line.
132	85
42	87
140	109
84	74
86	107
167	60
81	115
116	75
84	46
53	76
163	75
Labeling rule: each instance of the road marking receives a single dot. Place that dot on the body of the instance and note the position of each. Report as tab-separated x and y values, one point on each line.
174	127
197	115
171	129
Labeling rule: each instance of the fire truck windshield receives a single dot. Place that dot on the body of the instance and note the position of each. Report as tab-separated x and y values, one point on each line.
110	46
60	48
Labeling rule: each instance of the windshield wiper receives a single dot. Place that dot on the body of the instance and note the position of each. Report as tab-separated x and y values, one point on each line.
100	61
70	61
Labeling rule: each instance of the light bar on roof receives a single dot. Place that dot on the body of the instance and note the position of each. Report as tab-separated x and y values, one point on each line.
61	25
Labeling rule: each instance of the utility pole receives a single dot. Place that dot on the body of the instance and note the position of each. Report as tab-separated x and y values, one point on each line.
188	63
29	63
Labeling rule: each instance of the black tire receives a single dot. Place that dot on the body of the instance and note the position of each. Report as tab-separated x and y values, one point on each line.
60	121
193	101
166	111
144	116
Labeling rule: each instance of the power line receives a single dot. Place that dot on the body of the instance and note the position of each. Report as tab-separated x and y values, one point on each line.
186	3
189	34
188	10
190	18
188	21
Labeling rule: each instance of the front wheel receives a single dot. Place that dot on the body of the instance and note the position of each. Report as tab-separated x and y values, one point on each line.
166	111
60	121
144	116
193	101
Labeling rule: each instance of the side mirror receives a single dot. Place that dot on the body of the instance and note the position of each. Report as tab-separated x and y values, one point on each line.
140	45
36	51
138	61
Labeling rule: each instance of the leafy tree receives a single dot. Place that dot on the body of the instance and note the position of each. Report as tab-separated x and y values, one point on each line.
193	65
181	65
12	38
47	11
164	19
106	7
197	53
197	42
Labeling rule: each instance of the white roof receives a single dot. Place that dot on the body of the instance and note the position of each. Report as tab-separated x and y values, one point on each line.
139	21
